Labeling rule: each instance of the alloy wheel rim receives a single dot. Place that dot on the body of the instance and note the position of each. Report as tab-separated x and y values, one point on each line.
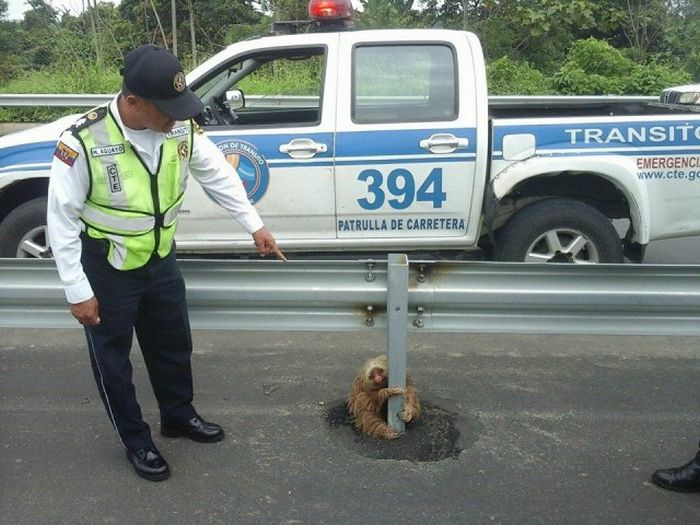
34	244
563	245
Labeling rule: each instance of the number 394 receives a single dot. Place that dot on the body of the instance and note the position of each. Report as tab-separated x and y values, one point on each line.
401	187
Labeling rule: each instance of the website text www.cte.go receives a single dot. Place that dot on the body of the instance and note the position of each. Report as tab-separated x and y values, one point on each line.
669	168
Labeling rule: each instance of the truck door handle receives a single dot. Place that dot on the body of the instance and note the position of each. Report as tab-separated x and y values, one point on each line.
444	143
303	148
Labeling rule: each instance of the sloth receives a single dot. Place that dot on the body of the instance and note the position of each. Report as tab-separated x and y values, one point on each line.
367	400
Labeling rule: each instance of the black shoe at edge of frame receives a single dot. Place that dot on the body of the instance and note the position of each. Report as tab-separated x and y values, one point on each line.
685	478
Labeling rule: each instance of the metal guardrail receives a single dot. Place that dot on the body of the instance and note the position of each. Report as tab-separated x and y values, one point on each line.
65	101
92	100
467	297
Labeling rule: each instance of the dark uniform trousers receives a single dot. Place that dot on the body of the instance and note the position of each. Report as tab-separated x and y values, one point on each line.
151	301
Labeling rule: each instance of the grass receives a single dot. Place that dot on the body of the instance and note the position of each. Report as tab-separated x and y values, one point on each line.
47	81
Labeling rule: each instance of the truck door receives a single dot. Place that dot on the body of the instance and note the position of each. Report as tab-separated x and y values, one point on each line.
263	110
406	139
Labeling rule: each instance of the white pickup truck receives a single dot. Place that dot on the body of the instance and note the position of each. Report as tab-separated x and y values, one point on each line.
377	141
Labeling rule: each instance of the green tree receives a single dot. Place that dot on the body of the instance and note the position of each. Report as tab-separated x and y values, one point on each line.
283	10
640	25
40	25
594	67
216	19
683	36
537	31
510	77
11	49
382	14
214	22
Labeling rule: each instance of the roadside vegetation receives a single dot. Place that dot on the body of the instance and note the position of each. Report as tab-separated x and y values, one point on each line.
533	47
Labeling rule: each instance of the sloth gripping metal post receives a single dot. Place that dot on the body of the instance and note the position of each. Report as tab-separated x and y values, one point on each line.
397	319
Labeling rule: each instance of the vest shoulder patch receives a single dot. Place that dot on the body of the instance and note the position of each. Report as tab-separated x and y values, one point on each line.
89	118
65	153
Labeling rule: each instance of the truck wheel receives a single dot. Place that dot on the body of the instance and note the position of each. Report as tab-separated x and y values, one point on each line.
559	230
23	232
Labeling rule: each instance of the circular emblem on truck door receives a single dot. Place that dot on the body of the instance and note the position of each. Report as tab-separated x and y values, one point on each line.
251	167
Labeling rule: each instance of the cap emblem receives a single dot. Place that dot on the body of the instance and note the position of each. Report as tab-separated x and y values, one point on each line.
179	82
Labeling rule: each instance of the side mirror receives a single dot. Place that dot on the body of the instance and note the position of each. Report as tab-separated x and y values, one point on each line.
235	99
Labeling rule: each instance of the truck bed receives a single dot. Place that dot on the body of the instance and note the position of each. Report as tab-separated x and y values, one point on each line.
560	106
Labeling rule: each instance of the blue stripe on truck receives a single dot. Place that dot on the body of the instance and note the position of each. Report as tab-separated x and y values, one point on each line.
34	153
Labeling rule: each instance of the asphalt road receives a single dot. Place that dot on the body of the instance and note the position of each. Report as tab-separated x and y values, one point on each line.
552	430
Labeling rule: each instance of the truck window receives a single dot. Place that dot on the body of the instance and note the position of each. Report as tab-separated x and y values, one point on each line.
270	88
403	83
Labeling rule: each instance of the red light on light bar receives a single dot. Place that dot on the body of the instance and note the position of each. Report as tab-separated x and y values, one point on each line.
330	9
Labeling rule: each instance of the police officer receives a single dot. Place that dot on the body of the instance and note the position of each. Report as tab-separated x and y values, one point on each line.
117	183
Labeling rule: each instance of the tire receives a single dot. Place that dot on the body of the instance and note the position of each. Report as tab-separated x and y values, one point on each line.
559	230
23	231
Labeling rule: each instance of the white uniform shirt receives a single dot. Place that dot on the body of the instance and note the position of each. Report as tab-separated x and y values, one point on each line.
68	187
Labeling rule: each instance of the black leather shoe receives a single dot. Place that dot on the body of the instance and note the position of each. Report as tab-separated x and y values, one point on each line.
681	479
195	429
149	464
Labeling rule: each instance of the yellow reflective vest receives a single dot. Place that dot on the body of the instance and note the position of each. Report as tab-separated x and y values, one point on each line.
127	205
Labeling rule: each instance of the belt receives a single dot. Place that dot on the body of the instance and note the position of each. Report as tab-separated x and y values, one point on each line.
100	246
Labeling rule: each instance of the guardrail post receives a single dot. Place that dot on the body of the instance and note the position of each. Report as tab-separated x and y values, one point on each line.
397	331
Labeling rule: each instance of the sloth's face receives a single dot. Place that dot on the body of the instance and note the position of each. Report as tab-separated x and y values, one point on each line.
377	376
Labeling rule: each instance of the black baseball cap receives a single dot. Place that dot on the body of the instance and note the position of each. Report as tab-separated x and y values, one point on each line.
155	74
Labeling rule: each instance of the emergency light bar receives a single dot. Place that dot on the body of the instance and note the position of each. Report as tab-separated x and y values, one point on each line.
321	10
325	15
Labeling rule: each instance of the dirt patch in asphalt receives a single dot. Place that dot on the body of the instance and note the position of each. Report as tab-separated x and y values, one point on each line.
434	436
